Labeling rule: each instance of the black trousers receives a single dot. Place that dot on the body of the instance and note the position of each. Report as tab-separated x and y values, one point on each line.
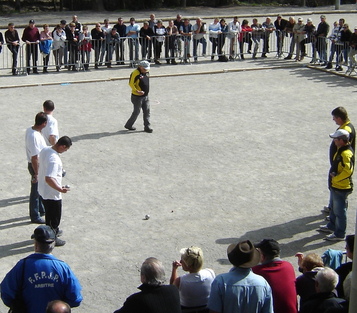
53	213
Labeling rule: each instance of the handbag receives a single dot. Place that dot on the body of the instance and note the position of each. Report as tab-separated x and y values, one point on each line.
18	304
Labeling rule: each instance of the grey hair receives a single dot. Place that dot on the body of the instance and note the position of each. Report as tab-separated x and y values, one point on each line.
327	280
152	271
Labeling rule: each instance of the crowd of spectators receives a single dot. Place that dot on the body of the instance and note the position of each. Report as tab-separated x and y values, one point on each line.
260	281
76	46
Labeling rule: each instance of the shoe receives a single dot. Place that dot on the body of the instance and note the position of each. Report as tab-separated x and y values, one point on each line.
264	55
168	61
36	72
173	62
242	57
339	68
109	66
325	229
59	232
188	55
130	128
254	57
288	57
212	57
249	51
333	237
326	209
323	63
59	242
312	61
329	65
39	221
148	129
157	62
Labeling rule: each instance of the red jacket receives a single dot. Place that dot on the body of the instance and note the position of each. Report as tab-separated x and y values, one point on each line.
244	32
281	277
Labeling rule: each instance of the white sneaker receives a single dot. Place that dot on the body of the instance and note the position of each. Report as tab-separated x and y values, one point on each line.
333	237
325	229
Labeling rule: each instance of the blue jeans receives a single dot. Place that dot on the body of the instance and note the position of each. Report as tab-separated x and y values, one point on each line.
338	214
133	49
35	203
195	44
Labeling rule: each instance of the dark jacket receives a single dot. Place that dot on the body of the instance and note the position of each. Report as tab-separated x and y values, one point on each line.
153	299
342	272
320	302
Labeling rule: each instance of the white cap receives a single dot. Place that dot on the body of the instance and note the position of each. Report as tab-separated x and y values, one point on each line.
145	65
340	133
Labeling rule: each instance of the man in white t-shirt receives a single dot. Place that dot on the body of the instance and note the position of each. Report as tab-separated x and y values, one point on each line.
35	142
50	183
50	132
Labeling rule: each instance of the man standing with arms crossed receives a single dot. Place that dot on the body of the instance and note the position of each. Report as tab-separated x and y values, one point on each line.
34	144
50	184
340	185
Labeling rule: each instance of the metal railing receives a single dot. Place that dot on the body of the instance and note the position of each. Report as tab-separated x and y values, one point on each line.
83	55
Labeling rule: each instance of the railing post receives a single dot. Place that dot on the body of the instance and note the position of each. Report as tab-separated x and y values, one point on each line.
337	4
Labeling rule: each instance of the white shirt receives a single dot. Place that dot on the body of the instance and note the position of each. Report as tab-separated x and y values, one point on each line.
34	143
195	288
50	166
50	129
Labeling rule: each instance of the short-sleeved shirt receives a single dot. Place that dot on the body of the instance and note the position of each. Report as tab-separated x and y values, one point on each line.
131	28
34	143
50	129
45	278
195	288
50	166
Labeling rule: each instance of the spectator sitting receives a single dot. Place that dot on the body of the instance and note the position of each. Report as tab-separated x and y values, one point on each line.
240	290
154	296
344	270
279	274
35	277
326	282
58	306
309	265
194	287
